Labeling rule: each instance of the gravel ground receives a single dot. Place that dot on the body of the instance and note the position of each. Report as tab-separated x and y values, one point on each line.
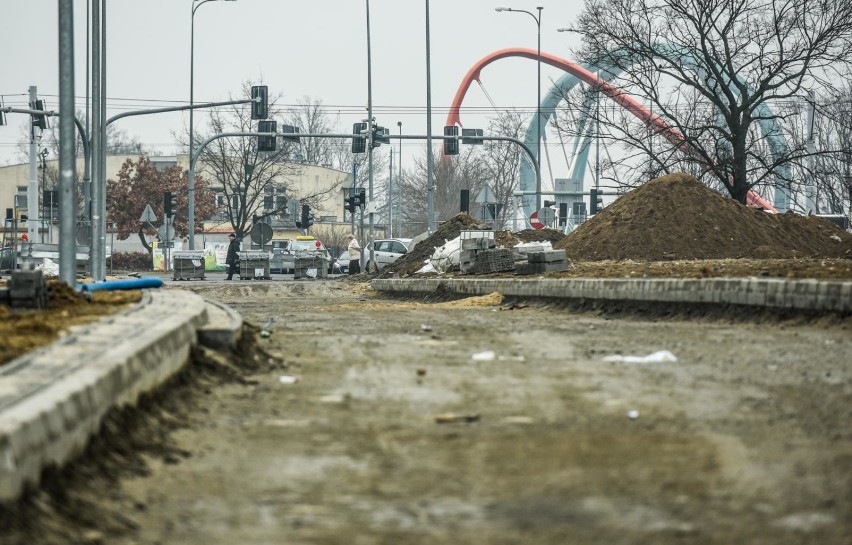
367	420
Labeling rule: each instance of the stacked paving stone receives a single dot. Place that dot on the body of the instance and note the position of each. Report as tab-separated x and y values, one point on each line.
26	289
479	255
542	262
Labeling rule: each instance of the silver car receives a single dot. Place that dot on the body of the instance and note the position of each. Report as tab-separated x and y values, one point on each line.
387	250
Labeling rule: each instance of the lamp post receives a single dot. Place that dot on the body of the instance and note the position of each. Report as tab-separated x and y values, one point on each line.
191	194
538	95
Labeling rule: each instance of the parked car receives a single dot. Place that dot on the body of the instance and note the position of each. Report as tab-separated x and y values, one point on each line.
301	247
341	264
387	251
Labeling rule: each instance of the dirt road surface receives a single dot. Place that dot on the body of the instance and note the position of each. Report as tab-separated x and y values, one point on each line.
478	421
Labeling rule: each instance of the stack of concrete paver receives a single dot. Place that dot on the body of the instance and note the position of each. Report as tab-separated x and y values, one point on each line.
26	289
538	262
479	255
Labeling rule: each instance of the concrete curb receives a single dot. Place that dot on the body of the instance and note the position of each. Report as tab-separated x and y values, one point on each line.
223	329
809	295
53	400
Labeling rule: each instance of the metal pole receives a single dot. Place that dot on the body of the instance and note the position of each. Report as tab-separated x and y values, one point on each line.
190	213
353	190
67	141
369	136
100	224
95	256
399	180
32	186
430	220
538	112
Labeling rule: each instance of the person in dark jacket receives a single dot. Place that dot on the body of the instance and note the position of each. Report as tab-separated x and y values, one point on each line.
232	259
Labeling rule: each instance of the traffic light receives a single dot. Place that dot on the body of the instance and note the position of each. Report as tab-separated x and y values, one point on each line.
260	106
595	201
39	120
349	204
451	145
381	136
267	143
307	218
362	199
359	141
169	203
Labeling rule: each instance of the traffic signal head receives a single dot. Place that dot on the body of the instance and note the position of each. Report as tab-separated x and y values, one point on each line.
39	120
595	201
169	203
359	141
260	106
451	145
306	217
267	143
349	204
362	198
381	136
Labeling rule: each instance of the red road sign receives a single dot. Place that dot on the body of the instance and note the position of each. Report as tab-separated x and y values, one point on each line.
534	221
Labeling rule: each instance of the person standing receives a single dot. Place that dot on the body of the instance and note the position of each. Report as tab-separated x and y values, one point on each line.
232	259
354	250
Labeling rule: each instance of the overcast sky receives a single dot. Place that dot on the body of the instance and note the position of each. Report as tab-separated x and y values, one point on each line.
308	48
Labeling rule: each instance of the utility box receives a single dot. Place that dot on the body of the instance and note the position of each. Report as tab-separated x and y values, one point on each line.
254	265
188	265
313	266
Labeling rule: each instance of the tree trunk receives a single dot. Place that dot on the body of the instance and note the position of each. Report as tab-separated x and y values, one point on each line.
147	246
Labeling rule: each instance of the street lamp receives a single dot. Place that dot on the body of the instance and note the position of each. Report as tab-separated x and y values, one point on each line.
538	96
195	5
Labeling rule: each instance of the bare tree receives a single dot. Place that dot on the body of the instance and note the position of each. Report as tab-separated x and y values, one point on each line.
452	174
714	71
502	160
245	176
310	117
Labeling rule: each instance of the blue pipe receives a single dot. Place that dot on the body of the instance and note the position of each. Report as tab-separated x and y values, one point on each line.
134	284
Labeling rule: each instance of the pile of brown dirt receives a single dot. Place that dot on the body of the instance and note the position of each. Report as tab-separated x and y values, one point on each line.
508	239
412	262
676	217
24	330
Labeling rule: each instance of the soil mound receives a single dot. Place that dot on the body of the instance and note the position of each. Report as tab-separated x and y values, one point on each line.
677	217
412	262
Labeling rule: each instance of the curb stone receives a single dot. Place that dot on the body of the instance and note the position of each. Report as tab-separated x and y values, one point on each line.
54	399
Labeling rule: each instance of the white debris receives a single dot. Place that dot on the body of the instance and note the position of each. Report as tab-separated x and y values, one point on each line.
656	357
633	414
288	379
488	355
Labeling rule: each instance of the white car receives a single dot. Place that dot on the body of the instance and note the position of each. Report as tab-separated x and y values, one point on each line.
387	250
341	264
